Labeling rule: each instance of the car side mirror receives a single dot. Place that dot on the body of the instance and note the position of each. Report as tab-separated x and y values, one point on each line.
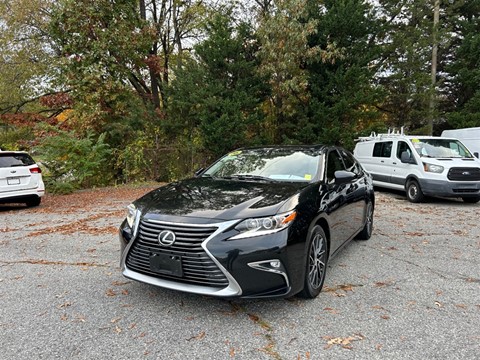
475	154
407	158
344	177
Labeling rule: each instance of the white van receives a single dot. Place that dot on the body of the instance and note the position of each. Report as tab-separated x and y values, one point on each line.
470	137
421	165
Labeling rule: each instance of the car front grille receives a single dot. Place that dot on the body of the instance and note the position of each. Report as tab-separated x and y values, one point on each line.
464	174
197	267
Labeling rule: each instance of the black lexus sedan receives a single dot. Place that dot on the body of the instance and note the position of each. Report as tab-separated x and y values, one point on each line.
259	222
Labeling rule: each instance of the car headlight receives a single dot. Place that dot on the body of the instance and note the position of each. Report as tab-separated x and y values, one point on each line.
131	215
263	226
433	168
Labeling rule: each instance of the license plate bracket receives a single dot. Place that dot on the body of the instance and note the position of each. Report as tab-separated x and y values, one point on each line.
167	264
13	181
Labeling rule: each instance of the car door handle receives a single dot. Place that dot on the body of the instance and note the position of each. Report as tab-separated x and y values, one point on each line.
394	163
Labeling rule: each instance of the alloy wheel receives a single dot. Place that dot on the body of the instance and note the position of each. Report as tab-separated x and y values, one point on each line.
317	261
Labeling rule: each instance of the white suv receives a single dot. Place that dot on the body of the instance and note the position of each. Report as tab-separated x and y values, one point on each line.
421	165
20	179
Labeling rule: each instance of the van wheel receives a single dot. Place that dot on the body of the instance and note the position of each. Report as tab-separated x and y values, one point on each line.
471	200
316	263
414	192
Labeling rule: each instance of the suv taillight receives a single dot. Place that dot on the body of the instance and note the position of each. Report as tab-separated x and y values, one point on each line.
36	170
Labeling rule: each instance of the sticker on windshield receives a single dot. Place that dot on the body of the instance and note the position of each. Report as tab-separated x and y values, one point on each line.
308	176
235	153
415	141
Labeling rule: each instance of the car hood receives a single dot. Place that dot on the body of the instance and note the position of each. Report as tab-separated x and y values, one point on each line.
219	199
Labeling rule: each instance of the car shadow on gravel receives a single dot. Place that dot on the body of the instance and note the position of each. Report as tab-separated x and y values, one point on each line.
12	207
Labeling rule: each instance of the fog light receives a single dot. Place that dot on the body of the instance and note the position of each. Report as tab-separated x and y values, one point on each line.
275	264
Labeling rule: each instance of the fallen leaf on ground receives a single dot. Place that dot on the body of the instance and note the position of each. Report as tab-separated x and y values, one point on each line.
110	292
345	343
200	336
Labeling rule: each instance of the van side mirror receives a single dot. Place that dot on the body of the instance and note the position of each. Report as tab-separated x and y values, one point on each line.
407	158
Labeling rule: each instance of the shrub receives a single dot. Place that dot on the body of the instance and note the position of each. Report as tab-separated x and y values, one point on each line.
74	163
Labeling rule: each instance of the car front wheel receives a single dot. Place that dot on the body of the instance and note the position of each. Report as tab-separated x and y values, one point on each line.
414	192
316	263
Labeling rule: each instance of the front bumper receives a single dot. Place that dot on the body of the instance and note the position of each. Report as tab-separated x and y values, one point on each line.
450	188
262	266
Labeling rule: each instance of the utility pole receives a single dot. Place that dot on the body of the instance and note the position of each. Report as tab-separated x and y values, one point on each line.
436	19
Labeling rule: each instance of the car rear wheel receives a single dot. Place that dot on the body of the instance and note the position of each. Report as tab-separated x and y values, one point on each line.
471	200
33	201
414	192
316	263
366	233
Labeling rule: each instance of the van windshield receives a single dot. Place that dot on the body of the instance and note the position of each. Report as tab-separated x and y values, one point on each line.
440	148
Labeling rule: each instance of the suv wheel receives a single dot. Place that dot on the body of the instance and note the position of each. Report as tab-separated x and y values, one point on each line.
33	201
414	192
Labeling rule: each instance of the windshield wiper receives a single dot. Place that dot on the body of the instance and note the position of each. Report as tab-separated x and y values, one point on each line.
247	177
209	176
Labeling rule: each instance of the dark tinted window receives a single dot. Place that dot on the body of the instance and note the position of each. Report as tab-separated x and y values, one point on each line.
11	160
334	163
382	149
403	146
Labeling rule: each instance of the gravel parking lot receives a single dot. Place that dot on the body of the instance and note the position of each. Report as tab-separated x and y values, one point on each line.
411	291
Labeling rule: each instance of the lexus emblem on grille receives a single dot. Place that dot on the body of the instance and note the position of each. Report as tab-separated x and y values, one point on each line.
466	173
166	238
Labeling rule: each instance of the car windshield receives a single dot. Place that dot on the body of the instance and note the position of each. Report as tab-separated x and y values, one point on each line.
9	160
270	164
440	148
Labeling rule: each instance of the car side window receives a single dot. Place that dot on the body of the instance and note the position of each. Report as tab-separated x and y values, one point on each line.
350	163
334	163
403	146
383	149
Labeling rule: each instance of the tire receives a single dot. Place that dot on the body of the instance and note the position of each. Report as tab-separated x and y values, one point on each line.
414	192
33	201
316	264
366	233
471	200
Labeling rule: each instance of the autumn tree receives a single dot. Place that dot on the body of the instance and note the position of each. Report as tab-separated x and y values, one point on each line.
283	33
216	97
173	22
461	88
343	92
27	57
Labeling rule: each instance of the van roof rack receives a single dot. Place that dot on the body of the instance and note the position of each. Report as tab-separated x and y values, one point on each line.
374	136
